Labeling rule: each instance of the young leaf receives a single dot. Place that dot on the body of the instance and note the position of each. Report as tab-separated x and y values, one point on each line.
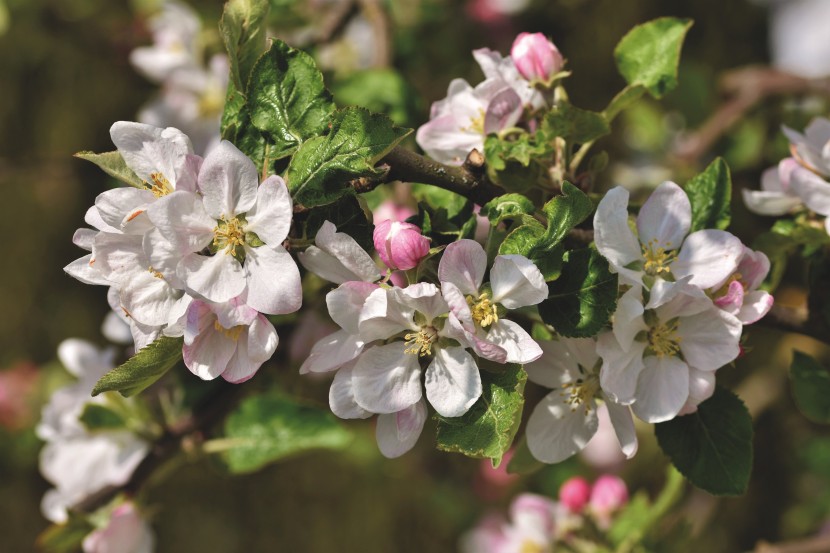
622	100
710	193
650	53
243	31
320	171
113	164
488	428
712	448
574	124
564	213
507	206
100	417
288	99
583	299
267	428
811	387
142	369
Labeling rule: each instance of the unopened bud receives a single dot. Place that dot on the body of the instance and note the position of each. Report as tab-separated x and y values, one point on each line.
536	57
608	495
575	493
400	245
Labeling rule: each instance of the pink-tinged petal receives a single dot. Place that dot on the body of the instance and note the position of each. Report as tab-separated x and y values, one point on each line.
769	203
771	181
457	302
148	298
518	344
733	299
332	352
228	181
463	263
662	389
397	433
383	316
234	312
754	267
614	238
84	269
623	423
517	282
218	278
536	57
448	139
208	356
683	300
556	432
424	298
465	334
628	318
400	245
452	381
341	396
756	305
620	369
558	365
121	208
503	111
665	218
262	339
325	266
118	256
148	150
701	388
710	340
241	367
386	379
199	318
813	190
709	256
346	301
181	218
343	248
270	217
273	280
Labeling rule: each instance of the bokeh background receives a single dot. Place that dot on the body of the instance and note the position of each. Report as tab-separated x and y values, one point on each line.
65	78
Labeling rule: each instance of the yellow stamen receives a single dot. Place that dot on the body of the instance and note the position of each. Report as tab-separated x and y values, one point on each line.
529	546
232	333
664	340
420	343
658	260
161	186
483	310
155	273
229	236
476	123
581	392
723	290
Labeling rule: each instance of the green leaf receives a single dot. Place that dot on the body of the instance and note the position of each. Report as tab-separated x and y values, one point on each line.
583	299
809	237
100	417
649	54
142	369
633	518
243	31
623	100
511	164
65	538
113	164
811	387
288	99
232	113
267	428
378	90
523	239
712	448
710	193
564	213
320	171
507	206
573	124
488	428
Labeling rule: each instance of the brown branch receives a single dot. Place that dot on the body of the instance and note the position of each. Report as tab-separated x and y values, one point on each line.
744	88
337	16
798	320
817	544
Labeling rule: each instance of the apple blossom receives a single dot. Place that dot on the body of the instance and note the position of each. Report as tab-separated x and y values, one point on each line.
175	31
812	149
776	197
739	295
125	532
496	67
400	245
532	527
536	57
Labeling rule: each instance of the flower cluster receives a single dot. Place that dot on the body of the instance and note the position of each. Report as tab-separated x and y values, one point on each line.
507	97
538	523
195	253
392	338
798	182
192	96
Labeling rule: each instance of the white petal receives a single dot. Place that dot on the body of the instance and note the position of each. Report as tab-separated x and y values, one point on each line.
346	301
662	389
457	302
620	369
386	379
121	208
463	264
452	382
424	298
332	352
84	360
273	280
558	365
701	388
382	316
520	346
164	256
709	256
326	266
147	150
813	190
118	256
555	431
84	237
262	339
769	203
218	278
348	252
149	299
208	356
228	181
341	396
623	422
181	218
710	340
756	305
612	235
270	217
628	318
665	218
397	433
517	282
84	269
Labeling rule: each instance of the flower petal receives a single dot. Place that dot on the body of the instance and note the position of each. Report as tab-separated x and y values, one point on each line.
662	388
218	278
387	379
558	365
556	432
710	340
341	396
463	264
614	238
273	280
620	369
756	305
623	424
665	218
346	301
517	282
147	150
348	252
208	356
813	190
148	298
332	352
181	218
709	256
397	433
228	181
518	344
122	208
769	203
383	316
452	381
270	218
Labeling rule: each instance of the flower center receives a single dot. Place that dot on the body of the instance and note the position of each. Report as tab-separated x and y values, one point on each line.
229	235
483	310
530	546
664	340
580	392
155	273
232	333
161	186
476	123
420	343
658	260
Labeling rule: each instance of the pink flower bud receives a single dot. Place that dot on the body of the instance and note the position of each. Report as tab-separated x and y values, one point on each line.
536	57
608	495
574	494
400	245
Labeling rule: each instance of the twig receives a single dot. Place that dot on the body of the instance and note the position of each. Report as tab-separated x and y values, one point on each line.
337	16
791	319
744	88
817	544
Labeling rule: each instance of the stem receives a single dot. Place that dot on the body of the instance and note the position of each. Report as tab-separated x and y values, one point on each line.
817	544
671	494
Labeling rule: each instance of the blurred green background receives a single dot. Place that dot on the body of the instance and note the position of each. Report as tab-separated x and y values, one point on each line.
66	78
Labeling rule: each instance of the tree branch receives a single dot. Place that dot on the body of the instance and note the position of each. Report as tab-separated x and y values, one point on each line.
817	544
792	319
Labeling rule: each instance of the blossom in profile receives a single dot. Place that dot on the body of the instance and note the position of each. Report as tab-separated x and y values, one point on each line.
776	196
401	246
337	257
